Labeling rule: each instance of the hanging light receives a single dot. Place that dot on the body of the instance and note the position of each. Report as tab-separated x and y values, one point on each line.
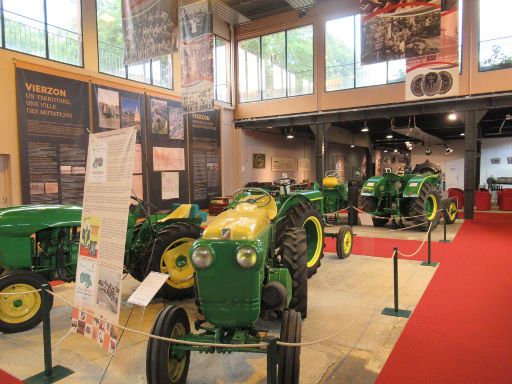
365	127
390	136
452	116
462	134
428	151
396	150
289	135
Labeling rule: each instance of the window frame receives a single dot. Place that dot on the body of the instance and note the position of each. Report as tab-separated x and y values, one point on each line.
228	70
259	37
47	48
125	66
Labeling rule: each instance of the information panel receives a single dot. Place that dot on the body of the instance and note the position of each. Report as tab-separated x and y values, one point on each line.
53	119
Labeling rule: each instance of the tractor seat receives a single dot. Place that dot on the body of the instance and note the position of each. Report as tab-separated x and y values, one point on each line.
181	211
330	182
244	222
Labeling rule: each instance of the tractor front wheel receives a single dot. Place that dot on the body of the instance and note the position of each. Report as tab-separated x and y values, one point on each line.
294	258
163	364
288	359
21	307
425	208
169	253
344	242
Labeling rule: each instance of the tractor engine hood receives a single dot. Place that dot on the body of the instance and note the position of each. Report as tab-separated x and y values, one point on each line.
29	219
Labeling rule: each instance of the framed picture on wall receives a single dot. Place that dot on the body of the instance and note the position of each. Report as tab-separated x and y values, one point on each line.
258	160
509	160
496	160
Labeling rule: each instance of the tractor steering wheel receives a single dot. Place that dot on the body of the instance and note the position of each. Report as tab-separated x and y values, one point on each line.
259	194
333	173
284	182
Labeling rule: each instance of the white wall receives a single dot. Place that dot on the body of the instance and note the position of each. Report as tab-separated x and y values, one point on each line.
452	165
275	146
495	148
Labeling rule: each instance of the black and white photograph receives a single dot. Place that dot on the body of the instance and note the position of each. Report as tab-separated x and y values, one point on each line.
109	284
108	108
394	30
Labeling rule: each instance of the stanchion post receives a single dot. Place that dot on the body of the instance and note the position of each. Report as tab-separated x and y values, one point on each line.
50	374
429	262
445	219
396	311
272	362
351	216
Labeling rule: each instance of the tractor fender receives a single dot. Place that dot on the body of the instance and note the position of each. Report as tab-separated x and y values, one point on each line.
312	197
415	183
371	187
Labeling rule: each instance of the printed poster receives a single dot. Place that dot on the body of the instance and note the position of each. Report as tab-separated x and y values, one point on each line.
196	53
282	164
168	159
103	234
150	29
394	30
437	75
170	185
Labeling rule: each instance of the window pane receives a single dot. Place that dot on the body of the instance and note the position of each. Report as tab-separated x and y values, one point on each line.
273	54
140	72
249	70
110	37
300	60
24	26
162	72
339	54
64	33
396	71
366	75
495	34
222	70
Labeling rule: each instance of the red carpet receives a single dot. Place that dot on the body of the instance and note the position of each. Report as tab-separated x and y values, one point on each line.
5	378
461	330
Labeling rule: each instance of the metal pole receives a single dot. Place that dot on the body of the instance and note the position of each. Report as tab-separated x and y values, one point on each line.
351	216
429	243
272	362
47	340
445	213
395	277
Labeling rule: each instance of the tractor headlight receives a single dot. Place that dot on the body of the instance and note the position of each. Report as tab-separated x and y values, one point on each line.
246	257
202	257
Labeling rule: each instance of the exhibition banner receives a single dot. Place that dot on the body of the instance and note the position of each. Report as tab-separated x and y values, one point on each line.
150	29
196	53
53	119
167	153
205	162
436	76
103	234
394	30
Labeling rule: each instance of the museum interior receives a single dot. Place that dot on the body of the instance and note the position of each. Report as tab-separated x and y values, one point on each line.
255	191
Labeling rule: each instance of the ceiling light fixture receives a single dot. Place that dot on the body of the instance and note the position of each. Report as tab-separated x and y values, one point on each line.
452	116
396	150
428	151
289	135
385	151
462	134
389	136
448	150
365	127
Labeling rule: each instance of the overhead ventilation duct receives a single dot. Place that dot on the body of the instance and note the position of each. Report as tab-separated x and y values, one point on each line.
301	4
228	14
414	132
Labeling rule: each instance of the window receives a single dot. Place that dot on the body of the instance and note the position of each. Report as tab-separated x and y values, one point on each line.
111	55
222	70
276	65
36	27
495	35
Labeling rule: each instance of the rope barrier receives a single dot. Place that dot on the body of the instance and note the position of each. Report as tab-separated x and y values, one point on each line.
421	245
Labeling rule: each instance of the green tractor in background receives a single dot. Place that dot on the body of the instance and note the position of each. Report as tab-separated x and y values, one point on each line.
251	259
39	243
338	195
414	197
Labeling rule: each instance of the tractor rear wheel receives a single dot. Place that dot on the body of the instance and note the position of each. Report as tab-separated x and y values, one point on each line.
21	311
294	258
369	205
305	215
425	208
288	358
169	254
344	242
163	365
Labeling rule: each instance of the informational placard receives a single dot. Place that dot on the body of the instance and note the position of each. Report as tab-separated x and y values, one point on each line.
437	75
150	29
148	289
53	119
167	153
103	227
282	164
303	164
205	162
196	54
394	30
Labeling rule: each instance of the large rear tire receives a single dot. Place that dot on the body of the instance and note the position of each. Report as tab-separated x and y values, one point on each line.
425	208
20	311
162	365
305	215
294	258
169	253
288	359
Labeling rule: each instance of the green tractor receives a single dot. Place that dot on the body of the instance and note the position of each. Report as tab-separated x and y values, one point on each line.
251	259
39	243
338	195
414	197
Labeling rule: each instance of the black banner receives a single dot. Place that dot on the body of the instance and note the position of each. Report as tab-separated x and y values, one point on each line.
167	153
205	164
53	118
114	109
150	29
